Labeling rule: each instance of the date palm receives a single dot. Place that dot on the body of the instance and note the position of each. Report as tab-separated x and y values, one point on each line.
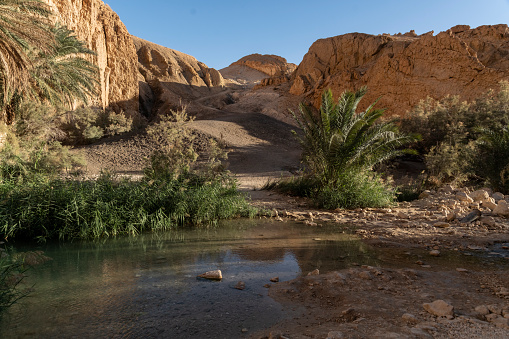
24	25
340	140
62	75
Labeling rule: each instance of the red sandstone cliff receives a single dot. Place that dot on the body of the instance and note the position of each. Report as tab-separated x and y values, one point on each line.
404	69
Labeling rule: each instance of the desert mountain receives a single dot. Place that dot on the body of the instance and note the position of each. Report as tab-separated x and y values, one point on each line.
406	68
168	79
100	27
251	69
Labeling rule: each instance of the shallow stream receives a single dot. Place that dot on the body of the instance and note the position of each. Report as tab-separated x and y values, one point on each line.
147	286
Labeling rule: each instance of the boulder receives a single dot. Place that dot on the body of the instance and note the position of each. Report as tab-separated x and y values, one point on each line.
498	196
502	209
439	308
489	203
479	195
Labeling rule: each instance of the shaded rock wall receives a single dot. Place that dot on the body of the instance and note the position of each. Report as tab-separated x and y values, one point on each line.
100	27
169	79
404	69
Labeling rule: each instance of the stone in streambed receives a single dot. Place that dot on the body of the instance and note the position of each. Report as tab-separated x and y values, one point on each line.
212	275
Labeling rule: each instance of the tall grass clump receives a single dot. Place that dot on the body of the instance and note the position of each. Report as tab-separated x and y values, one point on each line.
178	189
341	148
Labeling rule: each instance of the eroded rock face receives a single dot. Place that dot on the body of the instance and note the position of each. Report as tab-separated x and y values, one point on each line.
100	27
255	68
404	69
268	64
169	78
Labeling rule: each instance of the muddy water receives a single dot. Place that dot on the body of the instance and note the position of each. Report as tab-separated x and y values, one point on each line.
147	286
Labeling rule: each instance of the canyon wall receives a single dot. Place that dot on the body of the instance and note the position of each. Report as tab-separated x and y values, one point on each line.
405	68
100	28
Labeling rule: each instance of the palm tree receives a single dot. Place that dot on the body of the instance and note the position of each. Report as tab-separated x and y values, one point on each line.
62	75
24	24
339	140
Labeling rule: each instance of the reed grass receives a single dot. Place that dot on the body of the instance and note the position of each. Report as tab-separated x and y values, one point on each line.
44	208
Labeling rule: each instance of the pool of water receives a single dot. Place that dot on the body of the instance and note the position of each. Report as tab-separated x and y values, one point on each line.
147	286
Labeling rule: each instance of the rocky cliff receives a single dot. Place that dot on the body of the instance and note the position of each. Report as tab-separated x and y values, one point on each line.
169	79
404	69
100	27
252	69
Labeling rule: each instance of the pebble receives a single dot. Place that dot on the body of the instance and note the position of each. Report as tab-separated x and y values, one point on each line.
275	279
240	285
461	270
434	253
315	272
409	318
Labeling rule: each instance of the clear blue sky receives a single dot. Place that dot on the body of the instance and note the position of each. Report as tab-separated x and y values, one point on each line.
219	32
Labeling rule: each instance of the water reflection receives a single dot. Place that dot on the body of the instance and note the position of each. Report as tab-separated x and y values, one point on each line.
147	287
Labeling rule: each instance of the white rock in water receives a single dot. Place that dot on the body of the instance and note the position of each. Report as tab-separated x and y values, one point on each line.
212	275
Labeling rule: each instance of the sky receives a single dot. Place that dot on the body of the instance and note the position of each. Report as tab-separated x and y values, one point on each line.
219	32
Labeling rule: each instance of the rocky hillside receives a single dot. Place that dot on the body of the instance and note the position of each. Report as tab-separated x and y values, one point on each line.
100	27
169	79
406	68
251	69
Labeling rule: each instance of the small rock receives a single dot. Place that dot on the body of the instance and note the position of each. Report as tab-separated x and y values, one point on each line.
244	330
240	285
409	318
441	224
420	333
267	285
212	275
335	335
425	194
275	279
315	272
463	270
365	275
501	322
498	196
479	195
462	196
403	215
439	308
449	216
495	309
489	221
434	253
482	310
489	203
472	216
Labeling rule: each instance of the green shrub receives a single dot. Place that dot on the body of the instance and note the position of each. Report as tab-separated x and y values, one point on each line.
492	160
340	149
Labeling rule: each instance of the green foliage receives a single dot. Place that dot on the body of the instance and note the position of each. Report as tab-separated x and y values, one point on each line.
62	75
340	149
492	161
459	140
178	153
85	125
66	209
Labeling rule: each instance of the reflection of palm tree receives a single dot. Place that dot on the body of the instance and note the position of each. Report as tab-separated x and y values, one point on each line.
24	25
